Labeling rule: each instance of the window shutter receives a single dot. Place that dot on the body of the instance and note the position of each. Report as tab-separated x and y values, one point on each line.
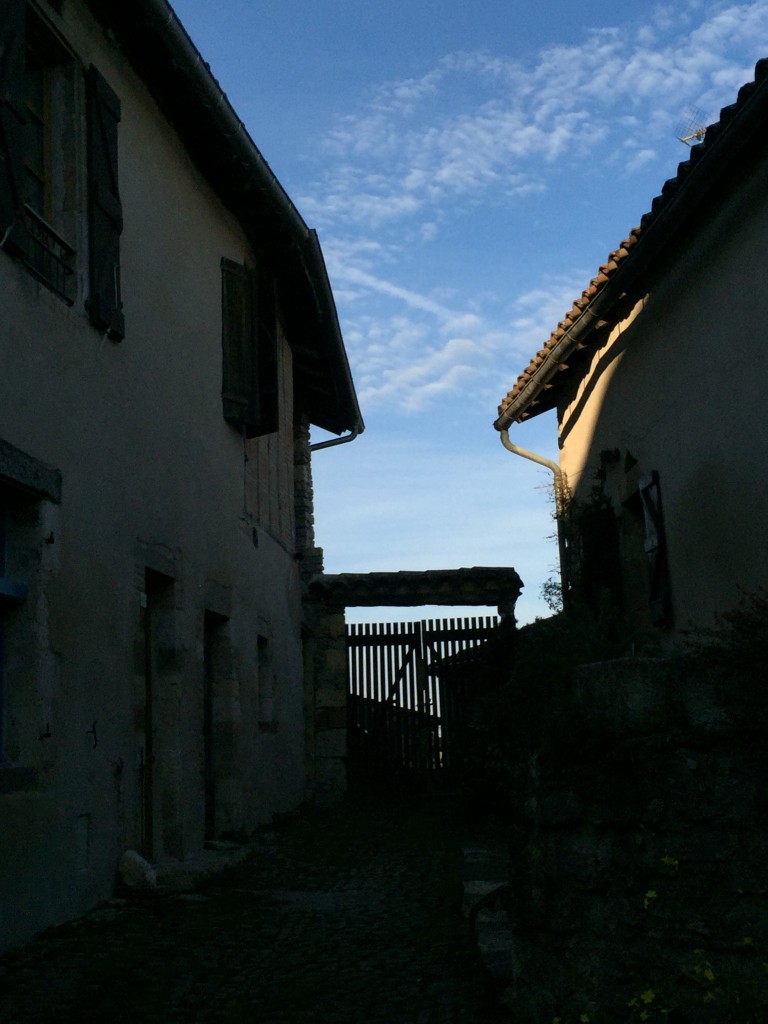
656	551
105	217
11	122
237	340
249	350
267	353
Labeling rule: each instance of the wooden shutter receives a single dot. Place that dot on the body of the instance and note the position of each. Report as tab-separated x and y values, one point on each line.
249	350
238	345
11	122
105	216
656	551
267	361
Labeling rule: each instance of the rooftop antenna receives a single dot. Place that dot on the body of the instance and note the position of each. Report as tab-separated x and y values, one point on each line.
693	126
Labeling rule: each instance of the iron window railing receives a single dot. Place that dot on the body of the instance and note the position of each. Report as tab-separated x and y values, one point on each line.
47	255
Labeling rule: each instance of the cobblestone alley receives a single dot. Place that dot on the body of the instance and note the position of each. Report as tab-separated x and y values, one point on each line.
346	917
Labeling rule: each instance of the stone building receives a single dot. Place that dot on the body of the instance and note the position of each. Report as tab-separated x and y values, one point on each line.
168	337
657	376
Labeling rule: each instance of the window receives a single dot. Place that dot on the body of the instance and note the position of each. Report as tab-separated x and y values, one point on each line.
249	349
105	215
28	491
656	551
13	594
267	696
43	160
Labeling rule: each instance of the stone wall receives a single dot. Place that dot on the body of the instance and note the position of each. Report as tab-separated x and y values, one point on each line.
327	719
325	645
325	649
639	886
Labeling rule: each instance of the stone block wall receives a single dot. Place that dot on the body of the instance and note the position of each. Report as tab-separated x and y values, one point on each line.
325	657
327	706
639	886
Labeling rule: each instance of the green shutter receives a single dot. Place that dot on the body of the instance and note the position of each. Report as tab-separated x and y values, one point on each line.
11	122
249	390
105	217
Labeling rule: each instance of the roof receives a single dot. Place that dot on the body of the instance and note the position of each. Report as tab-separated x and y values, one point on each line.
715	167
153	40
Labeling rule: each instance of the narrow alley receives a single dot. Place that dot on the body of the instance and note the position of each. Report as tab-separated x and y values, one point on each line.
351	916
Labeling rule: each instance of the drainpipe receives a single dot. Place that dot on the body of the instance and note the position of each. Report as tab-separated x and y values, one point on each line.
560	498
335	440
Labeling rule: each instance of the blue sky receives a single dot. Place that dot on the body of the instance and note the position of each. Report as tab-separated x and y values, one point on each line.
468	167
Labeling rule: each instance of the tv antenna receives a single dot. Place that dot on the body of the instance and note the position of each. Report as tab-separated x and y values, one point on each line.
693	126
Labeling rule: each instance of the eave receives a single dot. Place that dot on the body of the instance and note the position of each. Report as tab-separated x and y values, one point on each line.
715	167
155	43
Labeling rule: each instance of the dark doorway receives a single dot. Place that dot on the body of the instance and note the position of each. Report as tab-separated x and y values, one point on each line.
214	650
157	612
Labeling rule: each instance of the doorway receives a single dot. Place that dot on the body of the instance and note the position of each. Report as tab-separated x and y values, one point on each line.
216	668
157	626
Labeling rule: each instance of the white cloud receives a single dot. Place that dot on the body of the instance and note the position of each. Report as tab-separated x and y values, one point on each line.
487	124
639	159
345	272
426	507
486	131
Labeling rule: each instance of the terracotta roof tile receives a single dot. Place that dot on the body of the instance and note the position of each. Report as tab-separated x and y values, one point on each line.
618	256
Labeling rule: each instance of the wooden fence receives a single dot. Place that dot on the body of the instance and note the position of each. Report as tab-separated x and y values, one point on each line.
407	687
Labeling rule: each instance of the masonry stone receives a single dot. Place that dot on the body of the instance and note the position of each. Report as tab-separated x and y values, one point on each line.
332	743
639	840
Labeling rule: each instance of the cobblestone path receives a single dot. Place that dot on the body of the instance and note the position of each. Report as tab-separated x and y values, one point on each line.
346	917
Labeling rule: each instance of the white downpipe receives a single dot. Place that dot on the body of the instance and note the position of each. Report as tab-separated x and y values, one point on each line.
560	496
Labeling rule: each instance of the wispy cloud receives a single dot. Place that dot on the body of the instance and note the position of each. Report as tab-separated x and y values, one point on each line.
488	125
345	272
482	132
408	358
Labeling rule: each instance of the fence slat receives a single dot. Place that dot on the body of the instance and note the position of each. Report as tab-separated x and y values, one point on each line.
406	695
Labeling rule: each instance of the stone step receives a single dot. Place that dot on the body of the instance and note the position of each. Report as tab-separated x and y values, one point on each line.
485	884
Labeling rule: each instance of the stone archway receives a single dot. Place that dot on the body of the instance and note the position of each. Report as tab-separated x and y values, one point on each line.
329	595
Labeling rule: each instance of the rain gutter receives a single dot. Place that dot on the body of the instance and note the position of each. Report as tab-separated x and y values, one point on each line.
334	441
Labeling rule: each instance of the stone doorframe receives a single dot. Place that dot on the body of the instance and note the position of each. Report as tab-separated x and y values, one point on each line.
328	596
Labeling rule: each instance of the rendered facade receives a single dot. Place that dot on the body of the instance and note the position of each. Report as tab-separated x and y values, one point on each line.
168	337
657	375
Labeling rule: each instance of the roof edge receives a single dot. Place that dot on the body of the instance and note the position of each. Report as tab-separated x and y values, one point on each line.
298	244
706	169
318	273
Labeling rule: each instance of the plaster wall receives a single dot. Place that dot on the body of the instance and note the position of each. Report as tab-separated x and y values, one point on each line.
153	479
678	387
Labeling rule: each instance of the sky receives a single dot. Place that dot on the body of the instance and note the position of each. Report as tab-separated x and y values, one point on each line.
468	167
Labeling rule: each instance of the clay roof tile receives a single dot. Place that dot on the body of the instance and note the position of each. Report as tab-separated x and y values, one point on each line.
617	257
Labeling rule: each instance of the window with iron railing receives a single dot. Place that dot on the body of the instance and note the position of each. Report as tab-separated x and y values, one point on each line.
47	254
54	172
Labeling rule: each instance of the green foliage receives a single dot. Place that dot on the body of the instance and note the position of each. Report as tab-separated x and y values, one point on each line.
742	634
522	705
663	917
552	594
735	653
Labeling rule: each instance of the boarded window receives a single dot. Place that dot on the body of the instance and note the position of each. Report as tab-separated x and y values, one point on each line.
249	349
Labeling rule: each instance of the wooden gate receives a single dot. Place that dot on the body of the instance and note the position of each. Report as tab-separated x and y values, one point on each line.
407	684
